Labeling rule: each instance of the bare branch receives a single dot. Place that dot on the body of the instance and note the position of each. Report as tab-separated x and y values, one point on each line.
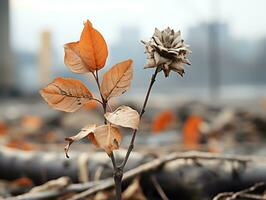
156	163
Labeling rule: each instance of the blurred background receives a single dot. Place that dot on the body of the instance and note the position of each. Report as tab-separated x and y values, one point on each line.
227	40
218	104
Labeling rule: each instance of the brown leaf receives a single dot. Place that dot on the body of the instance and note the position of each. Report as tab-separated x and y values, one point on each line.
66	94
93	48
108	137
117	79
124	116
73	60
85	132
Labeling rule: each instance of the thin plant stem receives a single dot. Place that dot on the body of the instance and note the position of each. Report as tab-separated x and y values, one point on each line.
118	174
131	146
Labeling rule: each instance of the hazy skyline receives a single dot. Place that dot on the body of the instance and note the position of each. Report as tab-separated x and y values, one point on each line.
246	19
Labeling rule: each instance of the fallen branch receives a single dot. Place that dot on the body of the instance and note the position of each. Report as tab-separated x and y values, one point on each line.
156	163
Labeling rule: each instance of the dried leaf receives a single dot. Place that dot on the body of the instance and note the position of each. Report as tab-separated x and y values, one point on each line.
66	94
108	137
85	132
73	60
93	48
124	116
117	79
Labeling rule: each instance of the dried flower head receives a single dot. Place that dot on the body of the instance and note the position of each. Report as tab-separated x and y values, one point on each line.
167	51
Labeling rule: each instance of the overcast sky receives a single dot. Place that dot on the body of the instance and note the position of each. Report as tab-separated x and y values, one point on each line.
247	18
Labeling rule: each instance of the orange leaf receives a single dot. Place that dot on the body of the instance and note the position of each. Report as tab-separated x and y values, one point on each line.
93	48
66	94
73	60
191	131
108	137
117	79
162	121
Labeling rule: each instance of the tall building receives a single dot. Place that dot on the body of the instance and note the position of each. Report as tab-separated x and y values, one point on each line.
6	79
45	58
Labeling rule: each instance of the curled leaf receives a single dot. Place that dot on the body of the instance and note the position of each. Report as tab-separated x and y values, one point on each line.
117	79
108	137
124	116
66	94
87	131
93	48
72	58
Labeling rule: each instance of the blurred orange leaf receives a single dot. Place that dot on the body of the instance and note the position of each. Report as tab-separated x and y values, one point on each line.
23	181
73	60
93	48
50	136
66	94
108	137
162	121
31	122
19	144
191	131
117	79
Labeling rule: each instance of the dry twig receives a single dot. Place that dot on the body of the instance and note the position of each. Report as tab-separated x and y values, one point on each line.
242	194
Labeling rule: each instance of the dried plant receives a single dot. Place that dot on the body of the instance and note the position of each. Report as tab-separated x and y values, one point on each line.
166	51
